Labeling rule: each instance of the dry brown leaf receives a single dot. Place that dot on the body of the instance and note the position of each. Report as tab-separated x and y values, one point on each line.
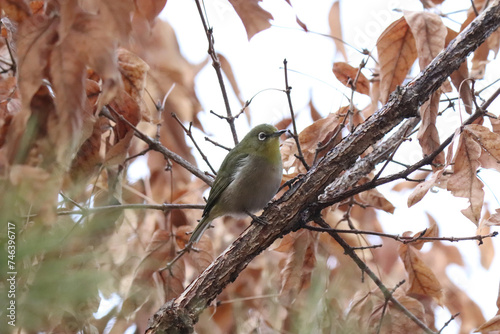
429	32
428	136
150	8
296	273
464	181
493	41
458	77
404	185
16	10
479	62
286	243
374	95
494	220
495	124
346	74
315	115
10	105
491	325
116	15
395	321
431	232
421	279
39	36
117	153
254	18
450	253
336	28
134	72
375	199
88	159
423	187
160	50
490	145
397	52
299	22
320	132
480	59
456	300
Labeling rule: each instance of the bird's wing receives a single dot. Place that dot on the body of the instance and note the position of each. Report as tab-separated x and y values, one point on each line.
224	177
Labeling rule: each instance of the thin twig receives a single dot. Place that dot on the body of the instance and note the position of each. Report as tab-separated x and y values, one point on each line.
189	247
385	305
295	135
161	109
474	7
143	152
217	66
161	207
364	268
367	247
404	138
189	133
13	59
403	239
217	144
448	322
157	146
353	84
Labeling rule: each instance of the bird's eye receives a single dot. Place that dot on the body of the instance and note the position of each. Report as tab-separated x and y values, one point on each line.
262	136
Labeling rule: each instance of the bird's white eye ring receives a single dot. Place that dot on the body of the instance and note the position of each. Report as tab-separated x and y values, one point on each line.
262	136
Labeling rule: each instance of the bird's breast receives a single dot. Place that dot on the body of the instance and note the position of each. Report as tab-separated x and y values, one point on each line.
255	182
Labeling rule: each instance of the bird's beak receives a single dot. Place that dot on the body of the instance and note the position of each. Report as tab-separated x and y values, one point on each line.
277	133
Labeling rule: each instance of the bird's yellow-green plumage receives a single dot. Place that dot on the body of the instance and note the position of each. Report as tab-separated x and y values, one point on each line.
248	178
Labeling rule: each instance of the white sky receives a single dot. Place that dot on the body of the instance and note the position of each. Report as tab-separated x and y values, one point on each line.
257	65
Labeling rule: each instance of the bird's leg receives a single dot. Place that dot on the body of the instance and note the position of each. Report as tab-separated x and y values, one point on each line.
257	219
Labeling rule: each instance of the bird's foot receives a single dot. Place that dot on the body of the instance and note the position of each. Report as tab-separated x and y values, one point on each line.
256	219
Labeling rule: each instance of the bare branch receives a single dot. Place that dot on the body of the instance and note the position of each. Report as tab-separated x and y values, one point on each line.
161	207
294	134
217	66
403	239
157	146
189	133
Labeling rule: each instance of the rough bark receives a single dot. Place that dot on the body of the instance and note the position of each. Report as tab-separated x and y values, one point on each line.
299	204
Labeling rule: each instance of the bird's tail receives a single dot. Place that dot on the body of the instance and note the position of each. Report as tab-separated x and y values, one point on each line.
200	229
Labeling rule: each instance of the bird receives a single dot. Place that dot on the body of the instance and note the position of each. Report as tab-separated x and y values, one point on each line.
247	180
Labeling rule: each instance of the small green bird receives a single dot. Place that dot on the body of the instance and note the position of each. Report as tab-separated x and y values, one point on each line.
248	178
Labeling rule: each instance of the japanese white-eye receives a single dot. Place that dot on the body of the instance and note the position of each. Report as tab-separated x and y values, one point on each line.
248	178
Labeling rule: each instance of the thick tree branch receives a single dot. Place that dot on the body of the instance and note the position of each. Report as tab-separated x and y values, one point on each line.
298	205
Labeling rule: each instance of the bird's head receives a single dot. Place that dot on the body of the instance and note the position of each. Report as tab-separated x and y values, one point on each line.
262	140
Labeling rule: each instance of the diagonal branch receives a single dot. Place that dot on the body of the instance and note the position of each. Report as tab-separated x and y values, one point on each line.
299	204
